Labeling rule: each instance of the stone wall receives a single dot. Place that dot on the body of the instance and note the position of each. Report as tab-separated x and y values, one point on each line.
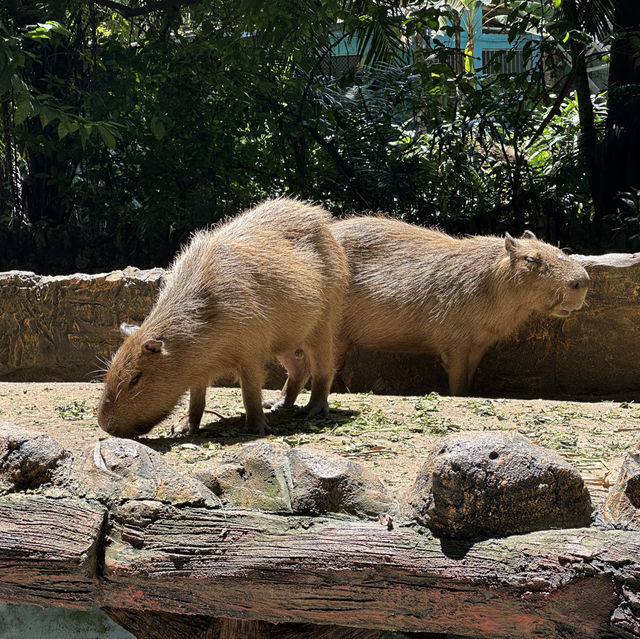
57	328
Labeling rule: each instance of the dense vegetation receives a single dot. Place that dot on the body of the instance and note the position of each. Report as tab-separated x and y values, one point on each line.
126	124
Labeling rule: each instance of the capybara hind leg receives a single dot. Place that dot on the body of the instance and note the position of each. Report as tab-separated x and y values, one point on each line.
297	365
474	357
321	364
191	425
251	381
456	365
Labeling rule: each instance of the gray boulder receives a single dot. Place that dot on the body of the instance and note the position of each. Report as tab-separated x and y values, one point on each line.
29	459
274	478
115	470
478	485
622	508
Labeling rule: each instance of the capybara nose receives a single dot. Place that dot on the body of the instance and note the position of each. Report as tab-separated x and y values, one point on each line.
580	282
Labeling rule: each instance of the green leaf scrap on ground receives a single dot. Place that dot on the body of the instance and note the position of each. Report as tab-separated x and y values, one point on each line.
429	403
75	411
483	408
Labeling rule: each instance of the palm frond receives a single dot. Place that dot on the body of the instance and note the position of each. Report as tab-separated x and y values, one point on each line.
597	16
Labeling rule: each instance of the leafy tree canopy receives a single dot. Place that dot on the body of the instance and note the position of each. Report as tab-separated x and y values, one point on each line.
126	125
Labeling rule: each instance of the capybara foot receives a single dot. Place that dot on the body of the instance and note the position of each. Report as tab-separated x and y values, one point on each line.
280	403
319	409
274	405
258	426
184	427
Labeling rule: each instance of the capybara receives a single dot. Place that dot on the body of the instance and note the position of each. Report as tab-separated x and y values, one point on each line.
267	283
413	289
417	289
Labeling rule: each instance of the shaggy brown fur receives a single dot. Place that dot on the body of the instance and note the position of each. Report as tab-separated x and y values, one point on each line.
417	289
269	282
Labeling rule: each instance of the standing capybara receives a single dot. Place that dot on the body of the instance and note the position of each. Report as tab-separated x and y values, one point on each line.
414	289
269	282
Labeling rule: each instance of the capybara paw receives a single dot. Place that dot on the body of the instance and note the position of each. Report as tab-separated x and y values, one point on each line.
320	409
274	404
281	402
184	427
258	426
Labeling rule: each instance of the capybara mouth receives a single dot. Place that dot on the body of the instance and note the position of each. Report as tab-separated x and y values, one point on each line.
565	307
130	432
564	311
561	312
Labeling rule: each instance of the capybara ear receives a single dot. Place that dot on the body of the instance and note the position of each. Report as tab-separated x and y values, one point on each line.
153	345
509	243
127	329
529	235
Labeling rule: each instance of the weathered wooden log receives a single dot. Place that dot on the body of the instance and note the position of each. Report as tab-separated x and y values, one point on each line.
562	583
252	566
50	550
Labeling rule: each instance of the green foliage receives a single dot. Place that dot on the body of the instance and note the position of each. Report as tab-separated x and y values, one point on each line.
123	128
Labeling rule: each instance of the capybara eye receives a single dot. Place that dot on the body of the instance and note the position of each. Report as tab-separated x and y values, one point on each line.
135	380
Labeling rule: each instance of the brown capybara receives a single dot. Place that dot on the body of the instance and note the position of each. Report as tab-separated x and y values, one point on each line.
417	289
413	289
269	282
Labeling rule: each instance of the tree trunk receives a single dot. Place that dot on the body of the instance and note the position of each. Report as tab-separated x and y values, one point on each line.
622	133
588	134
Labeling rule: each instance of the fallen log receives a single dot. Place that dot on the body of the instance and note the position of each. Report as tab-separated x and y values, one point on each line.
49	550
335	571
161	555
338	571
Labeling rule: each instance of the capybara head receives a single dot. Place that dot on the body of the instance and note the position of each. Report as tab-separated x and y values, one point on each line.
139	387
555	283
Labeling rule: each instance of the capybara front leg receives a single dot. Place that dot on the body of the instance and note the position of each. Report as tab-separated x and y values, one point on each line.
456	365
191	425
251	381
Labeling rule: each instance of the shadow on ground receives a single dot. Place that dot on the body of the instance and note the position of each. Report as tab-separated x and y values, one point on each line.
226	431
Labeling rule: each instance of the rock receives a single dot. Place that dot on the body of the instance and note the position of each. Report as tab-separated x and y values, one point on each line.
257	476
274	478
29	459
330	483
115	470
622	507
478	485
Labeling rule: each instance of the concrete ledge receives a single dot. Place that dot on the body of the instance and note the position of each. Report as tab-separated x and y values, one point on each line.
57	328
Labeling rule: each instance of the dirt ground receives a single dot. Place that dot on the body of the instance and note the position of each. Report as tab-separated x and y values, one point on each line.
391	435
